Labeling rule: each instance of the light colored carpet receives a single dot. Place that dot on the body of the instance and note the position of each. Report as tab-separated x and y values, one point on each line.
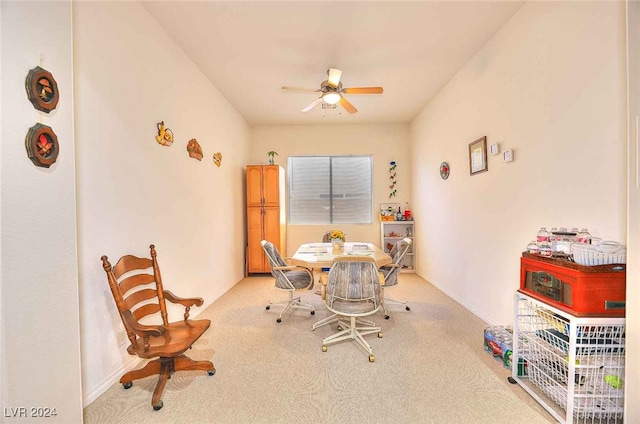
430	367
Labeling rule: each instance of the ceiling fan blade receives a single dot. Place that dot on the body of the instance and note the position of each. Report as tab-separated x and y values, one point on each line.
313	104
311	90
362	90
347	106
334	77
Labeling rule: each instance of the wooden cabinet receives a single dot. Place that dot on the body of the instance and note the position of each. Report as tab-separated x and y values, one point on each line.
265	214
265	185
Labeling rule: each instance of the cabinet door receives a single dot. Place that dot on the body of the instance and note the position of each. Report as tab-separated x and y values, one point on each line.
255	253
271	231
271	185
254	185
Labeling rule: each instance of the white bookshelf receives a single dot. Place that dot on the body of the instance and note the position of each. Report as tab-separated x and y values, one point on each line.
393	231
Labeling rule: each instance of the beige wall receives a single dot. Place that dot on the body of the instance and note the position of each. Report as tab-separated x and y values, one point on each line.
551	86
133	192
39	351
384	142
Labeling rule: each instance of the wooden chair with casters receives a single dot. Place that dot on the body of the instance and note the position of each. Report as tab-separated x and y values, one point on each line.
137	289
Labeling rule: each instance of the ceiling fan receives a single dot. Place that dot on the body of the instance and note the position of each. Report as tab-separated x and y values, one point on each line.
332	92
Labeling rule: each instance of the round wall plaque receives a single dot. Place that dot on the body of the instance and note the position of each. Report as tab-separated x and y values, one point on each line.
444	170
42	89
42	145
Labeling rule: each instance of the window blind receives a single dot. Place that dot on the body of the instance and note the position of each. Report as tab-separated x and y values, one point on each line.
330	189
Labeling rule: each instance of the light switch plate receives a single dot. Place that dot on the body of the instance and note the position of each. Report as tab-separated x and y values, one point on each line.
494	149
507	156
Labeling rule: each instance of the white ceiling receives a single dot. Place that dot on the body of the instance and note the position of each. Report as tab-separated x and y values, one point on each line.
249	50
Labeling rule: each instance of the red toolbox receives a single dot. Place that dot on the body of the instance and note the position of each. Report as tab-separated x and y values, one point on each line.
583	291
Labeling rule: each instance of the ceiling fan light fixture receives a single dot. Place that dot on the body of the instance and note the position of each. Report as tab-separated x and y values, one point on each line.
331	97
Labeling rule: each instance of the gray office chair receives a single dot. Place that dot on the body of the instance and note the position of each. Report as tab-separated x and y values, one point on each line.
390	272
289	278
353	292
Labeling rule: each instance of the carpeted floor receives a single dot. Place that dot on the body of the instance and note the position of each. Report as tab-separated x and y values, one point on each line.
430	367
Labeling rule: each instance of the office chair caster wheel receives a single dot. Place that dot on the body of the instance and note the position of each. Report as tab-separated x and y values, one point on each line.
211	372
372	358
313	312
127	385
279	320
324	348
386	317
380	335
407	308
158	406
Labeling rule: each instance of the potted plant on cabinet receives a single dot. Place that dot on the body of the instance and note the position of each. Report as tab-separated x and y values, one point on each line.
272	154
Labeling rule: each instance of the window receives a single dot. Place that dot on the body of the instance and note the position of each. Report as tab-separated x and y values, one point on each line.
330	189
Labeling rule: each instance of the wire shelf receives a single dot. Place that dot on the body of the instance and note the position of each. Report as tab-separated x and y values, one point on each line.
577	363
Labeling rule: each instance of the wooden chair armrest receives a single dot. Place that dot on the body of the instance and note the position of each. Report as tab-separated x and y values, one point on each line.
143	331
192	301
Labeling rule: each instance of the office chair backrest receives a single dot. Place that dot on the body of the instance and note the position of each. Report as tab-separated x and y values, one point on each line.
353	285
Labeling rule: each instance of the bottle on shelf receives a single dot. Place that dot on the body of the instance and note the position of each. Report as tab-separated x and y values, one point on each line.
407	211
552	234
574	237
542	237
532	247
545	250
584	236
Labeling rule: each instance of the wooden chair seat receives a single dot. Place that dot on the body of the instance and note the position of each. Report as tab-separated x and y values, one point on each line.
176	339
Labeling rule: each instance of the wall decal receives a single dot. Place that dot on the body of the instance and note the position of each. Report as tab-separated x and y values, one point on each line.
392	179
42	89
217	159
165	135
42	145
194	149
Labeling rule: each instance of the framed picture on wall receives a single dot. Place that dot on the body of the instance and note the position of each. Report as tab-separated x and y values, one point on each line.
478	156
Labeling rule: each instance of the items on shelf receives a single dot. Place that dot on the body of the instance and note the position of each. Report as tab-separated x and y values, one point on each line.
575	366
393	212
577	246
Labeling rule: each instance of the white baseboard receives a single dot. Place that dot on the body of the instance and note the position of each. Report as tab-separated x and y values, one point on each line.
464	304
113	378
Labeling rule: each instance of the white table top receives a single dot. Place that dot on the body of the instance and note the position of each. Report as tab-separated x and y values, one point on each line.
320	255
